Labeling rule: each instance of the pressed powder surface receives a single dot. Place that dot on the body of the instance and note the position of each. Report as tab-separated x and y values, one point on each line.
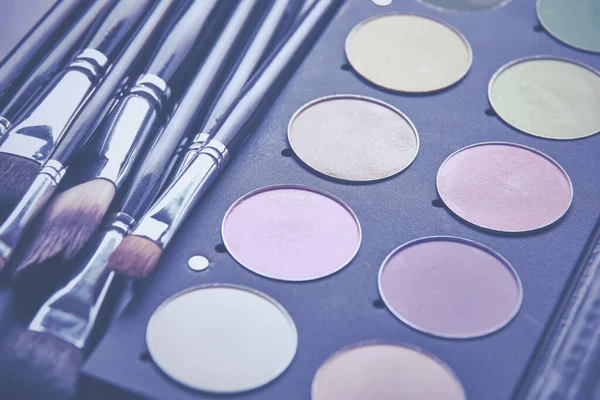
547	97
291	233
504	187
353	138
384	372
222	339
450	287
409	53
576	23
465	5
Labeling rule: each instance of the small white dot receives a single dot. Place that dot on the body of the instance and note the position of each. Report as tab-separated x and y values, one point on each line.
198	263
382	3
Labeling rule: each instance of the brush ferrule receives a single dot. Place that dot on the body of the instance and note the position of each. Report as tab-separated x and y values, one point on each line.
36	197
160	223
35	134
71	312
121	222
4	125
199	141
133	120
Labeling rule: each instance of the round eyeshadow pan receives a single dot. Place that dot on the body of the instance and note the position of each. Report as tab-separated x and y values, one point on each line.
291	232
504	187
221	338
353	138
408	53
575	23
548	97
465	5
384	371
450	287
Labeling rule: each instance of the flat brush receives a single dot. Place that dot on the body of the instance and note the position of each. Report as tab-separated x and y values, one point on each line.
277	20
27	144
44	361
139	252
87	120
35	45
75	214
52	62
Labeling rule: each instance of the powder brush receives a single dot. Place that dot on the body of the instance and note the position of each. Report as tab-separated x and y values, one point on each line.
45	182
26	91
139	252
26	145
75	214
33	48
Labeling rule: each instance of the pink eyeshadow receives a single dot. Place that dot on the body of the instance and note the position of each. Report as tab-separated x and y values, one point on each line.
504	187
450	287
291	233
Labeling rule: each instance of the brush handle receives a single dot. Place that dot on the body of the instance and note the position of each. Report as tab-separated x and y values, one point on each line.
277	20
71	312
565	364
142	109
151	173
115	30
53	61
33	47
163	219
181	42
93	112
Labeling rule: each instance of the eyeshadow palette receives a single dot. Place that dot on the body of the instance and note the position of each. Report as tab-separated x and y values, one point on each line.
403	221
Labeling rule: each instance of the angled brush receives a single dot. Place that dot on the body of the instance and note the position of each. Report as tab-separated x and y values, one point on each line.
75	214
27	144
45	182
36	45
139	252
27	90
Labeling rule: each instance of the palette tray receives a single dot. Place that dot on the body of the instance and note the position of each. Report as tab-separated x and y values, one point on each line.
345	308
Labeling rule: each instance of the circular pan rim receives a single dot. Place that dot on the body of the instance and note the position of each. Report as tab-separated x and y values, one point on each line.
439	21
468	242
334	97
554	36
247	289
521	146
299	187
538	57
495	7
380	342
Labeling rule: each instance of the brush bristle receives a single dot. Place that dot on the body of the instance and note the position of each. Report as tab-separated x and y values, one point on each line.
16	175
136	257
37	366
69	222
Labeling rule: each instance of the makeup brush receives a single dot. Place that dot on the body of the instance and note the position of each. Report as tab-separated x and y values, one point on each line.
75	214
44	361
45	182
139	252
35	45
52	62
26	145
274	25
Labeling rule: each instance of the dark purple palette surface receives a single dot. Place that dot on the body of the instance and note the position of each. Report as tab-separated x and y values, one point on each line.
337	311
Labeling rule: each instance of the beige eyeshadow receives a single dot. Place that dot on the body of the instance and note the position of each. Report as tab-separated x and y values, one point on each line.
408	53
384	372
353	138
553	98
